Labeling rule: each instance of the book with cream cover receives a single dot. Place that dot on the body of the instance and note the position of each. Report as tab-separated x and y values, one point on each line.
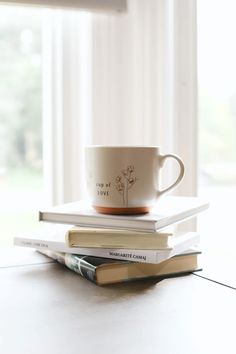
112	238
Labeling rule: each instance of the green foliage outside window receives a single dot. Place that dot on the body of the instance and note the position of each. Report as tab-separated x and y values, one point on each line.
20	120
20	89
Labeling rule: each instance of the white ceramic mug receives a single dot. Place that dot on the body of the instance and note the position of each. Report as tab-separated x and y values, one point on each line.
125	179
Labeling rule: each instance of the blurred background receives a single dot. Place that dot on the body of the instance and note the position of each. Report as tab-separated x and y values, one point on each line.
21	167
21	177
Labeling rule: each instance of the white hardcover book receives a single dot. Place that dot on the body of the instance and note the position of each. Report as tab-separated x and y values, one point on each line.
56	242
168	210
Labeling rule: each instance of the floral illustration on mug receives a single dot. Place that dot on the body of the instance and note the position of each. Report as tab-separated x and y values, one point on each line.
125	182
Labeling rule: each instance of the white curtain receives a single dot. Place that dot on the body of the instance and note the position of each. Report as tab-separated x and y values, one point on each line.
127	78
129	71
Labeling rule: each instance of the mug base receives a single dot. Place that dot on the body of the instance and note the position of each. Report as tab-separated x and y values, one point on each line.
122	211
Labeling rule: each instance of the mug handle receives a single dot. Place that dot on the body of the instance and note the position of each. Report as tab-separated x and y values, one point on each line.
181	172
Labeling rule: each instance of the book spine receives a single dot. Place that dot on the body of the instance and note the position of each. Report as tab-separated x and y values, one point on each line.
128	255
40	244
142	256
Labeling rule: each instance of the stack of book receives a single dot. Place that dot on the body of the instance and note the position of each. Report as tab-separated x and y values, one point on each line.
108	249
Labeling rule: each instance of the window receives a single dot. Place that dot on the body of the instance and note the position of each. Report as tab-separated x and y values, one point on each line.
217	122
21	177
44	115
217	149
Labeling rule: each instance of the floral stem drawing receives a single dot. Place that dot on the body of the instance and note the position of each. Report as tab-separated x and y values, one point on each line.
125	182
